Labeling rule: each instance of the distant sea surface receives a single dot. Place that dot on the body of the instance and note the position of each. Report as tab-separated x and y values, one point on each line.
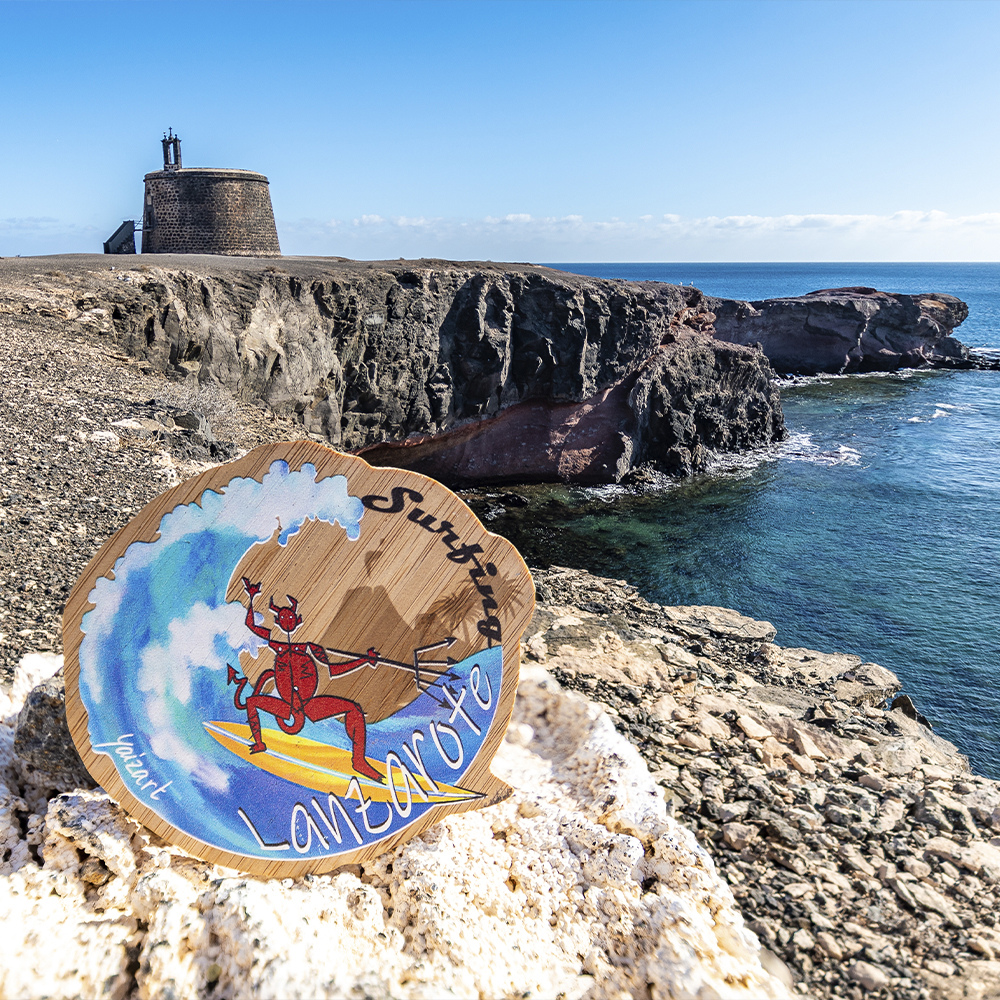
874	529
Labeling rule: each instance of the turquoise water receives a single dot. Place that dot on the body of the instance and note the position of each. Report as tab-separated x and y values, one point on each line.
872	530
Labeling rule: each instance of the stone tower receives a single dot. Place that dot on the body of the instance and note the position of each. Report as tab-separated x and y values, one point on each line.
207	210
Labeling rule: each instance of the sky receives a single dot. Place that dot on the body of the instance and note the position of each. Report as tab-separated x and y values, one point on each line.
522	131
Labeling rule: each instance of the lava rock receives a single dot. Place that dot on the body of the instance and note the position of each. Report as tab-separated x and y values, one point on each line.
472	373
848	330
43	741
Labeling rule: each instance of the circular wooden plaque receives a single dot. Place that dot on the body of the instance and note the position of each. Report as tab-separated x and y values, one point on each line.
296	661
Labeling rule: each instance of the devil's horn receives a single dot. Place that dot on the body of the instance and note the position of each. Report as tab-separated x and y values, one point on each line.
294	602
273	606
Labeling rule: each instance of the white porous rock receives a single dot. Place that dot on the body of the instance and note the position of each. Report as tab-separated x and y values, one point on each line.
579	886
51	942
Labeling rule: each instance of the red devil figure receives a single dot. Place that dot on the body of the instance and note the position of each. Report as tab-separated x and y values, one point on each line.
296	679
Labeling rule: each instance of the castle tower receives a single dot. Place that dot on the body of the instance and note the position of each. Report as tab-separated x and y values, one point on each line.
207	210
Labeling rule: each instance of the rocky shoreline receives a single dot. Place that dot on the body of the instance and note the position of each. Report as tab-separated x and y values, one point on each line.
468	372
855	843
840	330
859	846
476	372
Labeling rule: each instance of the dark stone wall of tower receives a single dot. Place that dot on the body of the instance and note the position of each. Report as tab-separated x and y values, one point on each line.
196	210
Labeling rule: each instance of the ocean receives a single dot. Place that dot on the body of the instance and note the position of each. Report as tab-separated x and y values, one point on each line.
873	529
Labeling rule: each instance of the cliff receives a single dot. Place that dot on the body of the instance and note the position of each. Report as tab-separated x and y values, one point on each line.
468	372
480	372
847	330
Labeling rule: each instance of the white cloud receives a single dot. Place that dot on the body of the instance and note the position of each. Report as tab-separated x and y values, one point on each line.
907	234
168	744
191	644
902	235
28	236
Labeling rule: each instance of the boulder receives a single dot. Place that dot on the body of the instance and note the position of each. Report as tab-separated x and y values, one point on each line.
977	856
868	976
42	738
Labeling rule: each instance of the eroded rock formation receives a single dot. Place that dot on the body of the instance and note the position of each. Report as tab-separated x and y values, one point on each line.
483	372
847	330
857	842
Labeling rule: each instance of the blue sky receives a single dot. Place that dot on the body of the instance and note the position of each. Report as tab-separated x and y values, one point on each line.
519	131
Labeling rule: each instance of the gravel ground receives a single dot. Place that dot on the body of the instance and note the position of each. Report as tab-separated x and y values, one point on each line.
71	475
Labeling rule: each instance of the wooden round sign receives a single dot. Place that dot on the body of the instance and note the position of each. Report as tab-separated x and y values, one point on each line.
296	661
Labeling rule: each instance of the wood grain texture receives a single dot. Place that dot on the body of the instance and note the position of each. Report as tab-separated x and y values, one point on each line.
393	590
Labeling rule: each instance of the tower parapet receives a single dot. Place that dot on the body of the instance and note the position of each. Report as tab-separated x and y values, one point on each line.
207	210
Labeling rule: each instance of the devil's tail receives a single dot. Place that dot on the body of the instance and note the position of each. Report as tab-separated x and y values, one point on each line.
295	726
241	683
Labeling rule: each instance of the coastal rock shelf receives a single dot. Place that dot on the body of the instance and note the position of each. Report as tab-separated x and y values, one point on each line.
467	372
847	330
859	848
73	474
858	844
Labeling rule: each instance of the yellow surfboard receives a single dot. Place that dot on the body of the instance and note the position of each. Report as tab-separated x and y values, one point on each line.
325	768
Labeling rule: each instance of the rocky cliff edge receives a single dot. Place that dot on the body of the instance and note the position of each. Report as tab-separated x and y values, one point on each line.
857	844
580	885
480	372
472	372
